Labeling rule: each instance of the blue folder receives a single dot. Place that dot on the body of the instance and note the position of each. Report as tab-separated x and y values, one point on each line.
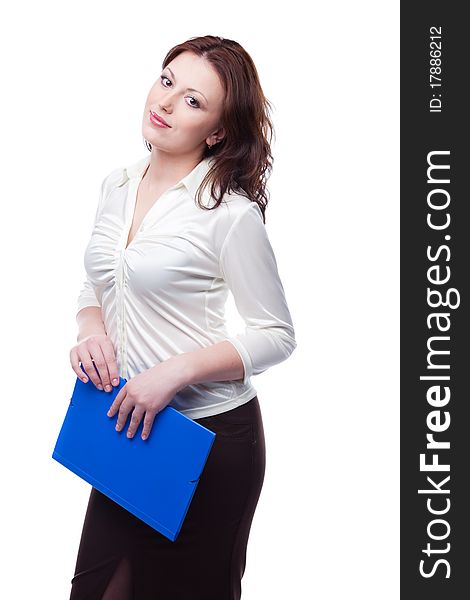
154	479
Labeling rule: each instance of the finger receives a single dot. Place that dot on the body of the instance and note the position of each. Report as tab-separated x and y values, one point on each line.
110	358
148	422
75	362
117	401
136	418
87	362
100	364
123	413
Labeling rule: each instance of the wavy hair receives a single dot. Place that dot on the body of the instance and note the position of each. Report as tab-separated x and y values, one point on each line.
242	159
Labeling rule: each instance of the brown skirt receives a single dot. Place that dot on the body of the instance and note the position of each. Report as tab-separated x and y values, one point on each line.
122	558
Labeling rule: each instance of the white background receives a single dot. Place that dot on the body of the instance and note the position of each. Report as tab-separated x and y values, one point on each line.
75	78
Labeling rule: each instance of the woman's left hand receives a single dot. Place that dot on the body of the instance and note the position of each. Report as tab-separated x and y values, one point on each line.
147	393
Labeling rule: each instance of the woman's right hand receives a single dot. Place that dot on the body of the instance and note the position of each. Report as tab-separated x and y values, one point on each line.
96	353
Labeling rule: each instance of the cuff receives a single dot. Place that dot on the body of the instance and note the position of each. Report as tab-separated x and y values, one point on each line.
86	303
245	357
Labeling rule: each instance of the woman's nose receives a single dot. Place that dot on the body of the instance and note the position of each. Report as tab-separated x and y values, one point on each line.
166	103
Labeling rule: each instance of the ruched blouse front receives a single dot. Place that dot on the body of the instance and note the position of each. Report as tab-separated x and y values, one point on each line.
165	293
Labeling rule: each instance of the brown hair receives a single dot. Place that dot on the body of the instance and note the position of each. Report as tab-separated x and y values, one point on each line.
242	159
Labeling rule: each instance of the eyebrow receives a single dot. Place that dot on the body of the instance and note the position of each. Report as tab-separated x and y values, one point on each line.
187	89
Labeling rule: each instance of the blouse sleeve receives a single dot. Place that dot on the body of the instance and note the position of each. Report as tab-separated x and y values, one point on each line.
87	296
249	267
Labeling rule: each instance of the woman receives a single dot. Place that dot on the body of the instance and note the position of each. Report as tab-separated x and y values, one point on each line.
164	251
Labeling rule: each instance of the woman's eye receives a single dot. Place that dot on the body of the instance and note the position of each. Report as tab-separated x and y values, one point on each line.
197	105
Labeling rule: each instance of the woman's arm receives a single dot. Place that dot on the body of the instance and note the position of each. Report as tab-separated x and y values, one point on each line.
219	362
249	267
89	322
88	306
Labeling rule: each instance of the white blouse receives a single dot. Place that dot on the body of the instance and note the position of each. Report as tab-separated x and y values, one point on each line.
165	293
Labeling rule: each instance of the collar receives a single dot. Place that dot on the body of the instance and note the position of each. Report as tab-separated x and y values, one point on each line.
191	181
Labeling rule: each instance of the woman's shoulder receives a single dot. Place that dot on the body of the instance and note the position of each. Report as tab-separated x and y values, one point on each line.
237	210
235	204
120	175
111	180
232	213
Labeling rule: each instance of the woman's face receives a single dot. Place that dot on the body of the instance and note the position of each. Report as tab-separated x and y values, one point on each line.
193	116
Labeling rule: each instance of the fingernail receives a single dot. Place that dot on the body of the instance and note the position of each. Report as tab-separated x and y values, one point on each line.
108	413
129	434
84	379
115	381
108	388
99	386
118	427
144	437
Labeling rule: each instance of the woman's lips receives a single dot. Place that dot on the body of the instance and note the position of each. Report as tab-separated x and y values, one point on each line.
156	121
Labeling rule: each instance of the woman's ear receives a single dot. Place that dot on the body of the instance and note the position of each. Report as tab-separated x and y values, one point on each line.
216	137
220	134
